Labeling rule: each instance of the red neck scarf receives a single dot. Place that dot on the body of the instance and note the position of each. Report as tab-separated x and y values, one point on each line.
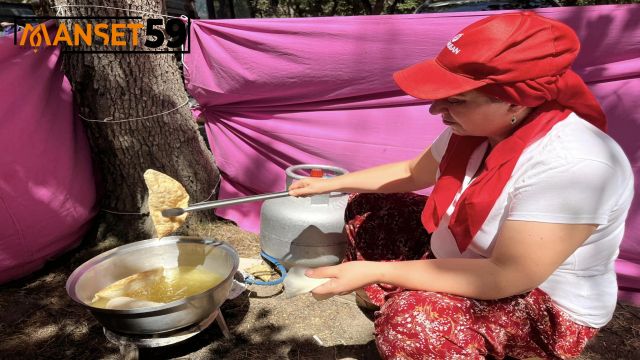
554	98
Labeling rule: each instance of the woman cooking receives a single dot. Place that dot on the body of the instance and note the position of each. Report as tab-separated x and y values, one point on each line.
512	253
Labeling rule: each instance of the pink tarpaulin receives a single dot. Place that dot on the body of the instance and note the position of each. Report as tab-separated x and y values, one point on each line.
280	92
47	191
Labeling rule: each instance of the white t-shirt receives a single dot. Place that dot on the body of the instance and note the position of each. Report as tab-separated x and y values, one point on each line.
575	174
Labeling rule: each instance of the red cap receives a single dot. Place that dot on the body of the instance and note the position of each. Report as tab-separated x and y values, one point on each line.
499	49
317	173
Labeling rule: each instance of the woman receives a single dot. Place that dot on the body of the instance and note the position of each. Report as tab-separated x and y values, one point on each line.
512	253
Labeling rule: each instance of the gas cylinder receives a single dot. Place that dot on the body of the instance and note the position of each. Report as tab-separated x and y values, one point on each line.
305	231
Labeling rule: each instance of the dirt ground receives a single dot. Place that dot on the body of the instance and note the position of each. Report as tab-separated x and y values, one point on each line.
39	321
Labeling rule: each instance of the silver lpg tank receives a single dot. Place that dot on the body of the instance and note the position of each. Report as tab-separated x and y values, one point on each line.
305	231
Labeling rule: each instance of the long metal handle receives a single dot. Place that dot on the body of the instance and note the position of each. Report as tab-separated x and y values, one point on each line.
227	202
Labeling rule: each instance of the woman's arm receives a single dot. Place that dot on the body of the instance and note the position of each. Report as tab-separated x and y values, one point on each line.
403	176
525	254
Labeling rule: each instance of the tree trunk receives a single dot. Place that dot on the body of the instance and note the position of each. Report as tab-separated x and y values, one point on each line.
317	8
392	8
232	9
366	5
378	7
334	8
125	86
211	9
252	8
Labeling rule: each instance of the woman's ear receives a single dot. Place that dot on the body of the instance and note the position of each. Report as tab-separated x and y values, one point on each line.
516	109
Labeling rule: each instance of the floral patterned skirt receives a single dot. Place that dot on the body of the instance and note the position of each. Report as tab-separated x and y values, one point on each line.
430	325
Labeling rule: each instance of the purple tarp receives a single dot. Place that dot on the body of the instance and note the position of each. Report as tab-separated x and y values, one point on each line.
280	92
47	191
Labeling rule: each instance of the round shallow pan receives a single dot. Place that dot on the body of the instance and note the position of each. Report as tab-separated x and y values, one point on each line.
113	265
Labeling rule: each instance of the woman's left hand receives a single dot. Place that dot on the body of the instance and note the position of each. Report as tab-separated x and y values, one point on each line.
345	277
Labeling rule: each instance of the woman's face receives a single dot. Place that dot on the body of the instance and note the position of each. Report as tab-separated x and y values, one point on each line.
475	114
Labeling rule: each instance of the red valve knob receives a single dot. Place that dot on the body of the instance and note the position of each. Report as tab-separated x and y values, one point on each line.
317	173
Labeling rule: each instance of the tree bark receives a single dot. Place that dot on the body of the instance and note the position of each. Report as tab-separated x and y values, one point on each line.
392	8
334	7
232	9
125	86
211	8
317	8
223	9
378	7
366	5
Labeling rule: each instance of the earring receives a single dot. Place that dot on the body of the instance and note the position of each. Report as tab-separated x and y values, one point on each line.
513	120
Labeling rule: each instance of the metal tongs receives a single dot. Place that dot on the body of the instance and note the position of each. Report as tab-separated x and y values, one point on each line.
220	203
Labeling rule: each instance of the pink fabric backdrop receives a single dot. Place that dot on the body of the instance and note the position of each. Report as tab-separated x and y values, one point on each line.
280	92
47	192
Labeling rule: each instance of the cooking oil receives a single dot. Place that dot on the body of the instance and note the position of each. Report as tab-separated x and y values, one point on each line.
161	285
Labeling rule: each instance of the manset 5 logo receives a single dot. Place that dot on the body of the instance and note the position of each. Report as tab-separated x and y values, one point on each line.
122	34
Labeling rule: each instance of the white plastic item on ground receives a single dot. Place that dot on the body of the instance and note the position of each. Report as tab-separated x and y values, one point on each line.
297	283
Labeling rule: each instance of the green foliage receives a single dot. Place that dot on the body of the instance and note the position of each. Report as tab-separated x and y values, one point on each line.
408	6
308	8
601	2
314	8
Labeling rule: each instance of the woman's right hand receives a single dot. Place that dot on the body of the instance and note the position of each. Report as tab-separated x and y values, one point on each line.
309	186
